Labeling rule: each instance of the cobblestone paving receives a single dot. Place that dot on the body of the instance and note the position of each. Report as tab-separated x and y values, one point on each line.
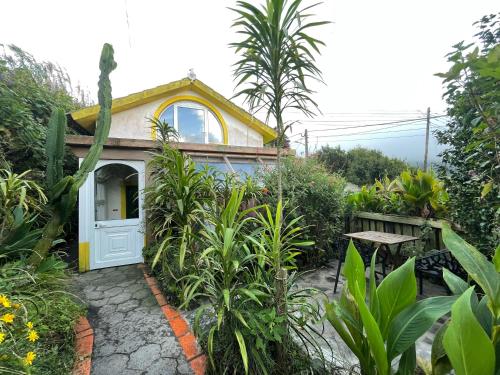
132	336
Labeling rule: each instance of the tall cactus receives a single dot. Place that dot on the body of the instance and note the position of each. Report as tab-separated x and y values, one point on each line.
63	190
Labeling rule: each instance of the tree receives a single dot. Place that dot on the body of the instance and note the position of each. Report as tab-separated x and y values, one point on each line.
29	89
471	160
361	166
277	59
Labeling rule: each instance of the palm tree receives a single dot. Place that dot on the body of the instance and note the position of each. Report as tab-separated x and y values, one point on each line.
277	58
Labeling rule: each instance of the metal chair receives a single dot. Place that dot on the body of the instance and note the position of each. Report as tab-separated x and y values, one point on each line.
432	264
366	252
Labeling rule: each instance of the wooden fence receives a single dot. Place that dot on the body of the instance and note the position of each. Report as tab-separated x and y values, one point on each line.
429	230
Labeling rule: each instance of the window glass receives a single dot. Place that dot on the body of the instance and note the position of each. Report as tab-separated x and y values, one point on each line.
193	122
214	129
190	122
116	193
244	169
168	116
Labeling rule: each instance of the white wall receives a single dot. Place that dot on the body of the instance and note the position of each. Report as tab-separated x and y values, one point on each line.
133	124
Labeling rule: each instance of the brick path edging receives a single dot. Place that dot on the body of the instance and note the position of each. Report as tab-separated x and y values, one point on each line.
84	343
196	359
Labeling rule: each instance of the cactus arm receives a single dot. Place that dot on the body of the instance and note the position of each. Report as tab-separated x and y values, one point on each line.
65	189
55	147
107	64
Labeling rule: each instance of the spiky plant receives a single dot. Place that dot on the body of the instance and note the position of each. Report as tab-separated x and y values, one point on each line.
63	190
277	60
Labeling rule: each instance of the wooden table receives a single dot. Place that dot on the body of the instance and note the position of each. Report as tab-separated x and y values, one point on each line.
384	240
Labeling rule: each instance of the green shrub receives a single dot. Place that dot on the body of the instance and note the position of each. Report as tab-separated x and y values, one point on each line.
360	166
314	195
471	155
42	299
415	194
29	90
250	324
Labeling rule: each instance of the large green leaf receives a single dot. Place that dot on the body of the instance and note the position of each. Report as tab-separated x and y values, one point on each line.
336	322
414	321
439	360
468	347
373	334
476	264
408	362
354	270
397	291
455	283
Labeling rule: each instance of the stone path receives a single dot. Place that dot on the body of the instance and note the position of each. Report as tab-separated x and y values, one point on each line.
132	336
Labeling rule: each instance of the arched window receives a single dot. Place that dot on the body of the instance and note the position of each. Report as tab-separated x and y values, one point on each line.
194	122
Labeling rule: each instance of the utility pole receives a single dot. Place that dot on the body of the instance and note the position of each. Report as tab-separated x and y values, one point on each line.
306	137
426	155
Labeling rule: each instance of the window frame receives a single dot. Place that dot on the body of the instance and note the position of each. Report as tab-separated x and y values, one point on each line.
198	106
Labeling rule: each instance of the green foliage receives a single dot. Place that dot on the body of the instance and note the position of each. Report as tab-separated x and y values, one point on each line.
410	193
388	325
469	342
63	190
313	194
40	298
360	166
29	90
471	157
21	201
237	285
174	201
277	61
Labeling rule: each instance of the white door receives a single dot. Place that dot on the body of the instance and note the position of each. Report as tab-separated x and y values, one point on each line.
116	237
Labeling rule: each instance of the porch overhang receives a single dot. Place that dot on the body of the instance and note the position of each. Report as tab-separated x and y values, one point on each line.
137	149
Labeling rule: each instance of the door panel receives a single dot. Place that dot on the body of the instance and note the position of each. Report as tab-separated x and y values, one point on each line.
117	199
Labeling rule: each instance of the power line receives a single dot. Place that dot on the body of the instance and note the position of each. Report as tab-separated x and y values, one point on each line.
372	132
369	139
403	122
385	123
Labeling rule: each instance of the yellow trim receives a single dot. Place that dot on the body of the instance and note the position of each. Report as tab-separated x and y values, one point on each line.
123	201
83	257
196	99
86	117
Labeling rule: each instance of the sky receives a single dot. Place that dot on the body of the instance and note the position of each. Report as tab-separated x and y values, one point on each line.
378	64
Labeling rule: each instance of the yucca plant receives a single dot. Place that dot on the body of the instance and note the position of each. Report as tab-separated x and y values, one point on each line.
63	190
390	323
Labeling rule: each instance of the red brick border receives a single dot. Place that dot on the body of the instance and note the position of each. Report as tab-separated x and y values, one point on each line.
196	359
84	344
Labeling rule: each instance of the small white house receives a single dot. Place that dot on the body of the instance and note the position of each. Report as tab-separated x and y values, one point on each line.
212	129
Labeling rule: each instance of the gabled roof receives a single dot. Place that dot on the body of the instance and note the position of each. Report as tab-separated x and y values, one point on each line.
86	117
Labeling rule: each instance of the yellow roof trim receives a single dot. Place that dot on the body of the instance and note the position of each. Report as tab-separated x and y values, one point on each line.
86	117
